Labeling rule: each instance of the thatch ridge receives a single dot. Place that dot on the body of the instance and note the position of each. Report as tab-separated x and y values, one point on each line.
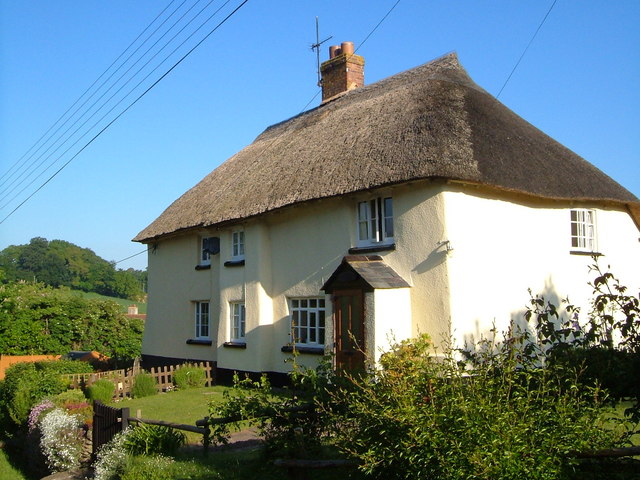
432	121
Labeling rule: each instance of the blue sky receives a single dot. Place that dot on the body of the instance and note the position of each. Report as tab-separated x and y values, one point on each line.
578	82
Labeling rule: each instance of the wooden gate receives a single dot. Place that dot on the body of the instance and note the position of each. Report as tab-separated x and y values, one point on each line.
107	422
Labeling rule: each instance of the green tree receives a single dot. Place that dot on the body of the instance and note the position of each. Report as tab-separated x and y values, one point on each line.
38	319
60	263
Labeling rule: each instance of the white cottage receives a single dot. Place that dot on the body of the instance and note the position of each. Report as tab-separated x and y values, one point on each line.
416	204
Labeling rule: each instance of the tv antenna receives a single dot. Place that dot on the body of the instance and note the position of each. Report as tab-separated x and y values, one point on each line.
316	47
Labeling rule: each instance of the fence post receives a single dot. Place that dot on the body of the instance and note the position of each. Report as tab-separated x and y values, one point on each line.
124	418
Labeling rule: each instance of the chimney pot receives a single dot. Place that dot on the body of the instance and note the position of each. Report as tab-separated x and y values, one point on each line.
343	71
346	47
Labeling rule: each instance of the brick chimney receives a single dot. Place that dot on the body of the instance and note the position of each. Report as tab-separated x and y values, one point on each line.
342	72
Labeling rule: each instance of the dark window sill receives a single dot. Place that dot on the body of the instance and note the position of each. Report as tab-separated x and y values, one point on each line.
302	349
585	253
373	248
234	263
234	345
203	267
198	341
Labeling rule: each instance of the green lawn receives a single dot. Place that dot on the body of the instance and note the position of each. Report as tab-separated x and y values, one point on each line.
183	406
7	471
123	302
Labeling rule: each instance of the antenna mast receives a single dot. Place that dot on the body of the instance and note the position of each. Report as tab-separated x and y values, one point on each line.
316	47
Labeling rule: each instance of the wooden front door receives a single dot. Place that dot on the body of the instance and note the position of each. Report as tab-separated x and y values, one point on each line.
348	325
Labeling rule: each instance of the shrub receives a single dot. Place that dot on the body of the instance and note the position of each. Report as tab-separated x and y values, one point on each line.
25	385
189	376
144	385
154	440
422	416
62	440
64	366
69	397
289	423
102	390
111	459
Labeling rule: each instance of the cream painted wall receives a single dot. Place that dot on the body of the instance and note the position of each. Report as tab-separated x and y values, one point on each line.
391	320
503	248
174	286
419	257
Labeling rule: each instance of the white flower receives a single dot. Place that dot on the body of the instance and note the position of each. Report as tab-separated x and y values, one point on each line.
111	459
61	440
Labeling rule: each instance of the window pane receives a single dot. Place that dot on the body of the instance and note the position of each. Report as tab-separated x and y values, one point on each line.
388	207
307	320
312	326
388	227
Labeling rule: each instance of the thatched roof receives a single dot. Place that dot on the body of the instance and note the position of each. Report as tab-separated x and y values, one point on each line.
429	122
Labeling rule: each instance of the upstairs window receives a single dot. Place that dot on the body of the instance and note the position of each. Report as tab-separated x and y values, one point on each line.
208	246
202	320
375	221
583	230
237	245
205	255
307	321
237	322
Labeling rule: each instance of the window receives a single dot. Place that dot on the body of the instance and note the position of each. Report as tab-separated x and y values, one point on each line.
237	322
375	221
237	245
208	246
202	320
583	230
307	321
205	256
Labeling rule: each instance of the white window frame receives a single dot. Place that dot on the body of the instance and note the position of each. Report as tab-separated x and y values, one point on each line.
375	221
205	256
203	320
237	245
237	322
583	230
308	321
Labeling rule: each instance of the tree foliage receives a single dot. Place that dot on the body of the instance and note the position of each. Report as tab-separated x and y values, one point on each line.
60	263
39	319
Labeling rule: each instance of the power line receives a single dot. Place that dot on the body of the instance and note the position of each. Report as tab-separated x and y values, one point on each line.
127	82
109	99
82	95
376	27
527	48
130	105
131	256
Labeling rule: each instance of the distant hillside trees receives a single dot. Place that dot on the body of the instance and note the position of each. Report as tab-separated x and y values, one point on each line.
39	319
58	263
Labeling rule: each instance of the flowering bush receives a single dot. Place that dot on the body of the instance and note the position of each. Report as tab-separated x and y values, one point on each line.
62	440
111	460
36	412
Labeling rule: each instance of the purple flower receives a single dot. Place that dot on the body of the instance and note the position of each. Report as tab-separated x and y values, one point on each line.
35	413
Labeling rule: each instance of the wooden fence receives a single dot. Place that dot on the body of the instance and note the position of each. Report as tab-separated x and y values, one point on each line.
107	422
123	379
